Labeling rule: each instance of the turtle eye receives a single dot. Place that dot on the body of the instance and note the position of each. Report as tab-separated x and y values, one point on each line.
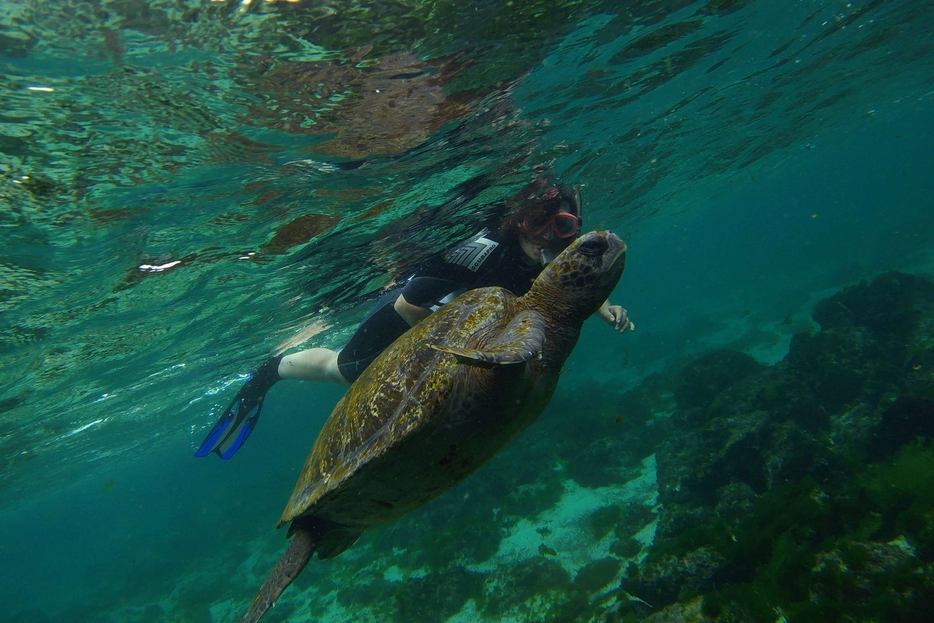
593	246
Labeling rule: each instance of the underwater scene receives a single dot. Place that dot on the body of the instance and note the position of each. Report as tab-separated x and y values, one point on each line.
192	189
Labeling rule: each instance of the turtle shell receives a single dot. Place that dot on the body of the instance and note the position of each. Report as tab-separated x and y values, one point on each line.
438	403
418	420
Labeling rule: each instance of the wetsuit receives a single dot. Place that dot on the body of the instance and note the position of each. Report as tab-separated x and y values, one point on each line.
481	261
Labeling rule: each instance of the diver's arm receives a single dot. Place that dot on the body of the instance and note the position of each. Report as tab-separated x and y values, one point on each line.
412	314
421	294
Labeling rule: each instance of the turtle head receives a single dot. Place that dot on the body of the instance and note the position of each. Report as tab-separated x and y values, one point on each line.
584	274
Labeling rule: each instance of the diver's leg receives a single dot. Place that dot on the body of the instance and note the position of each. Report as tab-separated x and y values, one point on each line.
318	365
375	334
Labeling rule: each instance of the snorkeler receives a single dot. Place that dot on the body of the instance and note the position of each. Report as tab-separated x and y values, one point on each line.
547	221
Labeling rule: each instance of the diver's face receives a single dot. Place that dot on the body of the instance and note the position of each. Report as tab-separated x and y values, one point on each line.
531	250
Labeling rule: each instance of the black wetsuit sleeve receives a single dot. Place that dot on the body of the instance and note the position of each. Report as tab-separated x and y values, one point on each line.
459	269
426	291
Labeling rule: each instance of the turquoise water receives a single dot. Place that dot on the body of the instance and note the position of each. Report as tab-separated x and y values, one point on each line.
187	187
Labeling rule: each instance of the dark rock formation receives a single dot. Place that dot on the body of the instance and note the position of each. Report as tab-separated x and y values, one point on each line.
772	480
703	379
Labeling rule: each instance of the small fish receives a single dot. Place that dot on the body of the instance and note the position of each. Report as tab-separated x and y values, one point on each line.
544	550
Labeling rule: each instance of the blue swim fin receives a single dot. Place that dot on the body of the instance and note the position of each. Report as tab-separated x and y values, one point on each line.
239	419
231	430
217	432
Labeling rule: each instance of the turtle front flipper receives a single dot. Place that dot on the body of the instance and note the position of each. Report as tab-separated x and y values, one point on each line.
520	341
309	534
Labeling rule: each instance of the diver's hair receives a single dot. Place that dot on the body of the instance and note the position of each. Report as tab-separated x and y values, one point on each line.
531	200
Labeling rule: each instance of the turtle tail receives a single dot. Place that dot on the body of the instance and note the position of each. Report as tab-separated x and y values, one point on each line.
296	556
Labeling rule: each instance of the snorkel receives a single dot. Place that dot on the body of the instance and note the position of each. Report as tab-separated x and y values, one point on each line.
553	232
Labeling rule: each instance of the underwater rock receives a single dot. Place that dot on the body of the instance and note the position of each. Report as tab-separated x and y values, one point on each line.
893	304
602	463
779	391
691	467
852	568
465	529
603	520
529	500
626	548
904	420
662	580
624	521
470	541
675	519
851	430
690	612
436	596
734	501
368	588
639	405
597	574
603	435
732	457
874	336
634	518
844	365
878	349
795	453
700	381
918	371
511	586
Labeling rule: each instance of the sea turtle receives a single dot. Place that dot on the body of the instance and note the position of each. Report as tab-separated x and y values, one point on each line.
438	403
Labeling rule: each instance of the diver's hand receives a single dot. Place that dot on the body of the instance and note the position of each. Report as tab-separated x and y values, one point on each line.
616	317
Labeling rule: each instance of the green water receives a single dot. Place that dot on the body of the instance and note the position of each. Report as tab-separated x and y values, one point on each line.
188	186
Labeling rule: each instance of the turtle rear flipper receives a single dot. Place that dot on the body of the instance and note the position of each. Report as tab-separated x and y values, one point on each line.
309	535
520	341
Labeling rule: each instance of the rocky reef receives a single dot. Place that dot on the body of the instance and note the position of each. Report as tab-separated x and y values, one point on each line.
802	491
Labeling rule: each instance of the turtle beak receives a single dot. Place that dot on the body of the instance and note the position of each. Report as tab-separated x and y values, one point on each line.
618	249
